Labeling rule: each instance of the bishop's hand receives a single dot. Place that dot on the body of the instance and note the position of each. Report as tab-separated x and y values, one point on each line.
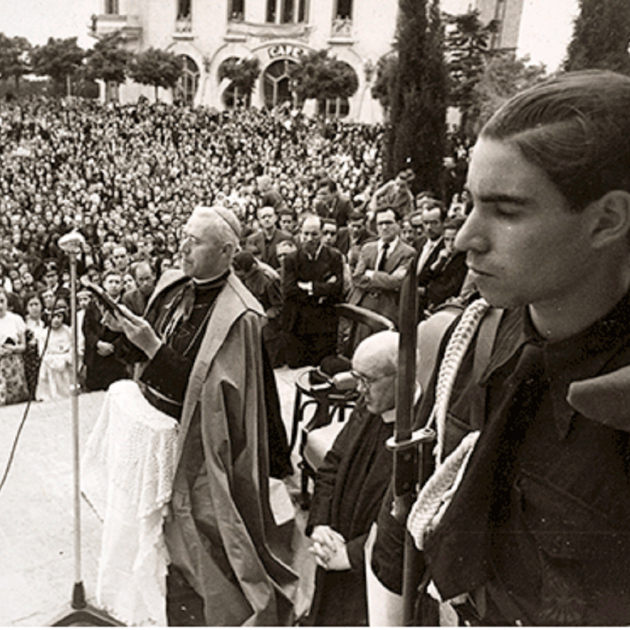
136	329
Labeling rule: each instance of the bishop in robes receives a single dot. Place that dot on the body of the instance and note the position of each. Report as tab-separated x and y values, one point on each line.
205	365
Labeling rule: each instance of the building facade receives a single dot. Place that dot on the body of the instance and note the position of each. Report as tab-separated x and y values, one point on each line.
277	32
207	34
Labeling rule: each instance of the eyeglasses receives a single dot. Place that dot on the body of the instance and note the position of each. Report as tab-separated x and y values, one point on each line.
379	223
367	381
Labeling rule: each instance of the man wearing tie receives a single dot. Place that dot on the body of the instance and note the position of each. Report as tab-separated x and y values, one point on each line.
312	283
382	266
433	218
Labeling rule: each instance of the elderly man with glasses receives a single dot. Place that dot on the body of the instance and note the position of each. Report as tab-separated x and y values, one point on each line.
350	486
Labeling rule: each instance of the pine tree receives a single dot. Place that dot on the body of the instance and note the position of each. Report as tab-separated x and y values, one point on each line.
417	127
601	36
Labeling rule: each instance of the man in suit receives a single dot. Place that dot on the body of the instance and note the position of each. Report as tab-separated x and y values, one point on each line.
447	273
137	299
382	267
395	194
312	283
358	234
330	203
416	222
102	366
263	243
433	218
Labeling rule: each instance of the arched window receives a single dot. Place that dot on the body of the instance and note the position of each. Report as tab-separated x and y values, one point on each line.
188	83
277	83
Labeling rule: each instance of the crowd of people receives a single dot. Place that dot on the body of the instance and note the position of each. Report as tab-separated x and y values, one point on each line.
522	514
127	176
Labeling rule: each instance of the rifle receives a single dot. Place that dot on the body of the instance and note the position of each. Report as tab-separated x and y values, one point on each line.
410	448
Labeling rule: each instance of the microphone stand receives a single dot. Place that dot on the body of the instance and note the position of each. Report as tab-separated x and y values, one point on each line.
82	613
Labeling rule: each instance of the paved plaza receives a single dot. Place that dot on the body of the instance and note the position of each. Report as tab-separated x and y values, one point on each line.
37	510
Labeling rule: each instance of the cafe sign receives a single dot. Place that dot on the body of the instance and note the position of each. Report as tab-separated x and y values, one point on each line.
285	50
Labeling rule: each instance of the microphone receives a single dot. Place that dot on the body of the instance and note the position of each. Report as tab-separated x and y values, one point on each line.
72	242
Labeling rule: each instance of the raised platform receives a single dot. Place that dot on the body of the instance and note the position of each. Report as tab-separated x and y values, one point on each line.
37	513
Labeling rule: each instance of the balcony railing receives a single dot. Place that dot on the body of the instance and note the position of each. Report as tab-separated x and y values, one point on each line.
341	29
183	24
243	29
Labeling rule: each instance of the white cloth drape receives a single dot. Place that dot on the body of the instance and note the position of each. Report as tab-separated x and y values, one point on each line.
385	608
128	468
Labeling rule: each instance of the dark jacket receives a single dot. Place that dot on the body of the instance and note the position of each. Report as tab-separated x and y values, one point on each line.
135	300
339	209
265	249
348	491
308	314
101	371
539	526
382	292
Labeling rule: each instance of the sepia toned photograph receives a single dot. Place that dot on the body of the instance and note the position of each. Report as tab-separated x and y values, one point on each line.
314	313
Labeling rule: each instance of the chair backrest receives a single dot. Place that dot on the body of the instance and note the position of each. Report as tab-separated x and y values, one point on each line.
359	315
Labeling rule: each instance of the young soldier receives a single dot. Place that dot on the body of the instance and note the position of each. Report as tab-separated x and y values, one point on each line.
538	528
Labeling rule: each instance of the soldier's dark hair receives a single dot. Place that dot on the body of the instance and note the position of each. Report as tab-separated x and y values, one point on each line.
575	127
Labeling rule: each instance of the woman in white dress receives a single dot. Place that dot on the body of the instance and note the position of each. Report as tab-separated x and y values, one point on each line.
13	388
55	372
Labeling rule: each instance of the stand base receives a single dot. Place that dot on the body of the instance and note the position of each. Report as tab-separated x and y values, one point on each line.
84	614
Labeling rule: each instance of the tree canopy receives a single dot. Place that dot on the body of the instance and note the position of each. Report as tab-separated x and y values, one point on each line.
466	51
58	59
242	72
322	77
601	36
386	69
156	67
505	75
107	60
14	58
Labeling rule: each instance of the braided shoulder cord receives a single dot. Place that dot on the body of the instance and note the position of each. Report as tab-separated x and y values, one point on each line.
436	494
453	356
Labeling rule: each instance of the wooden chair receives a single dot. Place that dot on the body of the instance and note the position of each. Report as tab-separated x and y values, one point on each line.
330	398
